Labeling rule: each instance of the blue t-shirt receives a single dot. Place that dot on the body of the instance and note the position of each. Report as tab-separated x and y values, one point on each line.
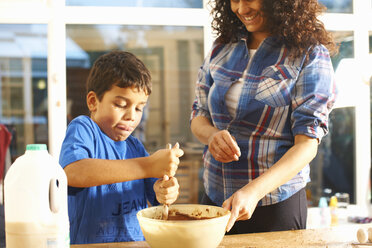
105	213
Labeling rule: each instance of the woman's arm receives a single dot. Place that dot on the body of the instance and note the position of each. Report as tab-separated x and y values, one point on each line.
221	144
243	202
94	172
202	128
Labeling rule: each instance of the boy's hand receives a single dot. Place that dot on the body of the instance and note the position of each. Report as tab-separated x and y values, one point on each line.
165	162
166	191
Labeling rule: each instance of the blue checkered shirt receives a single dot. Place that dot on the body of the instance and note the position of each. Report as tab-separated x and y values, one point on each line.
281	97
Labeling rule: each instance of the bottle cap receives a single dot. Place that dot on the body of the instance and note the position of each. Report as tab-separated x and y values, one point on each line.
323	202
333	201
36	147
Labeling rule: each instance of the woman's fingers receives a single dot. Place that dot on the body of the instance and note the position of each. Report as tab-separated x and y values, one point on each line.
228	204
235	148
218	151
241	205
224	147
233	217
231	145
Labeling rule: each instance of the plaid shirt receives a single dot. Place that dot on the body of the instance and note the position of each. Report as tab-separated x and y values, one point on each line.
280	98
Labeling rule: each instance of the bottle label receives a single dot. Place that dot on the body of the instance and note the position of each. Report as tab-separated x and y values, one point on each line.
52	243
58	242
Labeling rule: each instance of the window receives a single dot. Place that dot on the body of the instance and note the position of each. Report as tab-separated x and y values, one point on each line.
142	3
333	169
338	6
173	54
23	84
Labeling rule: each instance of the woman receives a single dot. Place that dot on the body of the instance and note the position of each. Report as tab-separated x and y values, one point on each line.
263	97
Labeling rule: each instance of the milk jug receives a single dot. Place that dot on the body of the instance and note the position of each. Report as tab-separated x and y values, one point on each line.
35	201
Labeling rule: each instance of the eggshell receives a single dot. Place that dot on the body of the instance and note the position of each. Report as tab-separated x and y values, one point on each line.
370	234
362	235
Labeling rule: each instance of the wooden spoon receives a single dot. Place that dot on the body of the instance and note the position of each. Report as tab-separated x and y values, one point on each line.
164	214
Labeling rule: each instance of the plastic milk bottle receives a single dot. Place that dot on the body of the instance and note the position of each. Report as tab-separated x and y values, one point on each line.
35	204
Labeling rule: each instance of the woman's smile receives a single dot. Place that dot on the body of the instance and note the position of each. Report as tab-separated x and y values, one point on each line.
250	18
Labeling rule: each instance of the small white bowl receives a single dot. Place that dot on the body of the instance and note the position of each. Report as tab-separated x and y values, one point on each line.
203	233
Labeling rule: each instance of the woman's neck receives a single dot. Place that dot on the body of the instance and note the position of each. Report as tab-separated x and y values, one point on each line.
256	39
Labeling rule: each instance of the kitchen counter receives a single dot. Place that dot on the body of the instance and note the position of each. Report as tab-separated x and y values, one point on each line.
340	236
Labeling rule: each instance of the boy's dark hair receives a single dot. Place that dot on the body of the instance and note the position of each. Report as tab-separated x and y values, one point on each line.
119	68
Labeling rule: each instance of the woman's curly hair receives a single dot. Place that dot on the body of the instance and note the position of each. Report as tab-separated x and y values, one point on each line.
293	21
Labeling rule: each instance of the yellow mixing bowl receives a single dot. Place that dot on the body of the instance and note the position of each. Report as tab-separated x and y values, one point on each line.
201	233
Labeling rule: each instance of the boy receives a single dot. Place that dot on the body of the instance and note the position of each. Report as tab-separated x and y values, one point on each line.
110	175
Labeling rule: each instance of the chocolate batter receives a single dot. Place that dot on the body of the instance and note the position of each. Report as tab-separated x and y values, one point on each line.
176	215
180	216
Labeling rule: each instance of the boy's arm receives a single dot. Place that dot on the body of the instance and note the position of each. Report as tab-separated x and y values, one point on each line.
93	172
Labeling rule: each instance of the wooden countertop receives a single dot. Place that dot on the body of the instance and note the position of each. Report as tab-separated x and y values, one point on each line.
341	236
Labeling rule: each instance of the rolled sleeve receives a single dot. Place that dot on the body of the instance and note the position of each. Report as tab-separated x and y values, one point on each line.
200	105
314	96
203	85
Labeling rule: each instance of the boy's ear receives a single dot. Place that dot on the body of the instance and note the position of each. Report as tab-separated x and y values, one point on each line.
92	101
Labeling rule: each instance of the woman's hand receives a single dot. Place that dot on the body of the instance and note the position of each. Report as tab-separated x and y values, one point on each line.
166	191
223	147
165	162
241	204
221	144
